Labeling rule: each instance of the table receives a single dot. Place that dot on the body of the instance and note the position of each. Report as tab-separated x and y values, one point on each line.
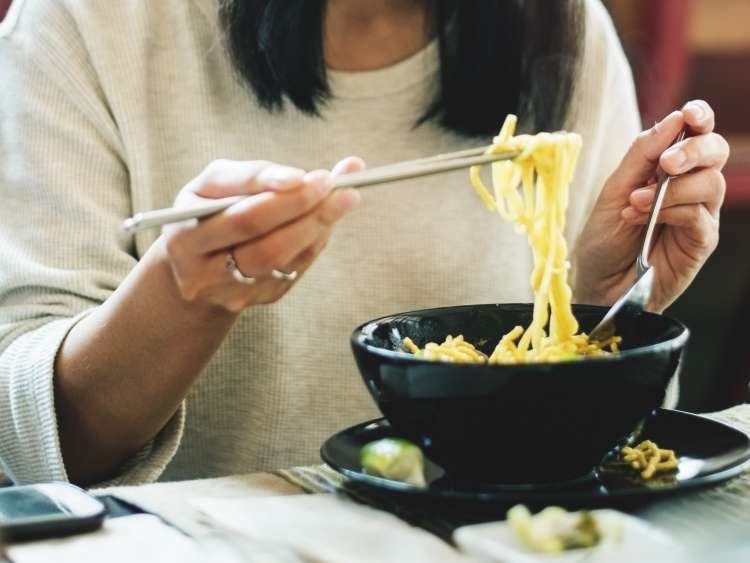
328	527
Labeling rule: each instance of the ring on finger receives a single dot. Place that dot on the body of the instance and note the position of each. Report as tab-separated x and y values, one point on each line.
236	272
285	276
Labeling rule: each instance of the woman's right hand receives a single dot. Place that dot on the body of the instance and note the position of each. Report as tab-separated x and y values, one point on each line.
283	225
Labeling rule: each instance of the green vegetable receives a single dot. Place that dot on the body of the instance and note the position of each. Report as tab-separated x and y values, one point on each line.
396	459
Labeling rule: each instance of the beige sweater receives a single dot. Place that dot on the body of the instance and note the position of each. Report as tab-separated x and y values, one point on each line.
110	107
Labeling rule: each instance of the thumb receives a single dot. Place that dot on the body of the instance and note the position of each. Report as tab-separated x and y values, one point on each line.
639	165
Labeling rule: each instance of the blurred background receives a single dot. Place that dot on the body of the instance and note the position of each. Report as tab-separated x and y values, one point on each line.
680	50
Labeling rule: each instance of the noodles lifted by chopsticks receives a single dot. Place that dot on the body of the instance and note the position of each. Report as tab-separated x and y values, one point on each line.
532	191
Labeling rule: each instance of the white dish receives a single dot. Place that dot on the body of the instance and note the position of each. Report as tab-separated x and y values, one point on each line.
637	541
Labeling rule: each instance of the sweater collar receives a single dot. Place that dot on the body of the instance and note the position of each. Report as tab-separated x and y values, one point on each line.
363	84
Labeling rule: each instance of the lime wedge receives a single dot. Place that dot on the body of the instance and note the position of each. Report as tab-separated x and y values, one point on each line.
396	459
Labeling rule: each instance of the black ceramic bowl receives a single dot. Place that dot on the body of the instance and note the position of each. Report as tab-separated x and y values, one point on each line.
525	423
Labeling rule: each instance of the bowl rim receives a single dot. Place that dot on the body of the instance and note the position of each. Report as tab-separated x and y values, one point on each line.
358	340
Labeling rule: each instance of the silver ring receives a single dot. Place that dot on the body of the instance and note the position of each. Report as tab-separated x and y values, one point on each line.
279	275
235	271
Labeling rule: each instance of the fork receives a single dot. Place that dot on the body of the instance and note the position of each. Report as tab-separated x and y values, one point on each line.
634	300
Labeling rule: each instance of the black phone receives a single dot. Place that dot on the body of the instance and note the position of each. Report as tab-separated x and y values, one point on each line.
47	510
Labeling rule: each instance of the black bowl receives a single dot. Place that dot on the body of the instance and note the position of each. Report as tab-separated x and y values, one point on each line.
517	424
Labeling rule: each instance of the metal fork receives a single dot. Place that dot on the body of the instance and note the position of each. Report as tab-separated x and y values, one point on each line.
637	296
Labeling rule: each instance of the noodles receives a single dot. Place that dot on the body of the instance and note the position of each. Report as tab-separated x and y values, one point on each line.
649	459
455	350
543	171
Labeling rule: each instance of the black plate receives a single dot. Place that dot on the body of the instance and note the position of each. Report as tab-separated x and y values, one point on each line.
710	452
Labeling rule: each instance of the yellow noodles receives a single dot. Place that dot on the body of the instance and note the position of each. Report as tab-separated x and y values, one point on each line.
455	350
649	459
543	170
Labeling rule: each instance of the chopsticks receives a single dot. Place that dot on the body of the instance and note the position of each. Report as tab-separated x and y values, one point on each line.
381	175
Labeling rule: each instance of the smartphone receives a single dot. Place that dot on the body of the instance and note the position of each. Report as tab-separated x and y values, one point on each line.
47	510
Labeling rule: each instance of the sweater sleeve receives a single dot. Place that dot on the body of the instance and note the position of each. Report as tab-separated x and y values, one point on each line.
64	189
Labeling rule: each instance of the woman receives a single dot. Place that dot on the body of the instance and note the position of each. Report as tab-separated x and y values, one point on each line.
195	352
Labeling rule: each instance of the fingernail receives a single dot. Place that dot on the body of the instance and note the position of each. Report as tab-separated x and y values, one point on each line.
697	110
642	196
667	118
347	200
675	158
629	214
347	164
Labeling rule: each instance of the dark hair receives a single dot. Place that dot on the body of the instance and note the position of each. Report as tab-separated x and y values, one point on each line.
496	57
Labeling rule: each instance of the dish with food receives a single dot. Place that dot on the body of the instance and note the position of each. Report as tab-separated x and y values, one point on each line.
555	535
519	392
535	413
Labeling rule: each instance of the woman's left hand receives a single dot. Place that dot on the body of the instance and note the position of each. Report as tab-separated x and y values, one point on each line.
689	217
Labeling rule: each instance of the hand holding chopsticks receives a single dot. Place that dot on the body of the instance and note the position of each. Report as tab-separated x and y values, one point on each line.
390	173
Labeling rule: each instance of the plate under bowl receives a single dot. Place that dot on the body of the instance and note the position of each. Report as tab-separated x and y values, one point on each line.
709	452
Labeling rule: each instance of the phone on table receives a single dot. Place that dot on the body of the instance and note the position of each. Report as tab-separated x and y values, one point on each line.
47	510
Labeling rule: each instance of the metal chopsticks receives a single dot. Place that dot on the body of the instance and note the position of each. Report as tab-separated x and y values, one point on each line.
389	173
